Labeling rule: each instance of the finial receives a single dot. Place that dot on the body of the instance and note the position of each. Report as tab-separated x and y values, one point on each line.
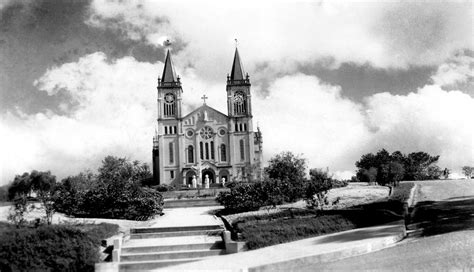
236	42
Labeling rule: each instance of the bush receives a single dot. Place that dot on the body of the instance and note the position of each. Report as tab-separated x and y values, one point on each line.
164	188
339	183
317	188
401	192
47	248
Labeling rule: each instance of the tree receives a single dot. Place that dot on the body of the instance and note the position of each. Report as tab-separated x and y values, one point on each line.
396	172
289	169
44	185
18	193
417	166
468	171
367	175
317	188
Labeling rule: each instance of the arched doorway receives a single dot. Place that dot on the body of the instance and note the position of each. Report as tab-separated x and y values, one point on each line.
210	173
224	174
189	178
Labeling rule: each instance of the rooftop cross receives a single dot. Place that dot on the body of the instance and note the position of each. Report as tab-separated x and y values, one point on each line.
204	97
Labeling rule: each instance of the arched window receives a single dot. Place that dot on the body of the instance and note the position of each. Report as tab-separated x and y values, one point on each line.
242	150
240	103
223	153
171	153
212	150
190	154
201	150
207	151
240	127
236	127
169	105
166	130
245	127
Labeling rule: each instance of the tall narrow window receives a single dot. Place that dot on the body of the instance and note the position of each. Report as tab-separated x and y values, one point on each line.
201	150
175	129
245	127
207	151
171	153
169	106
240	127
212	150
190	154
172	174
223	153
242	150
236	127
166	130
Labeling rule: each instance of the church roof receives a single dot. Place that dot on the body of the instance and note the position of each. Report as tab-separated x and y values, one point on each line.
203	107
237	72
169	74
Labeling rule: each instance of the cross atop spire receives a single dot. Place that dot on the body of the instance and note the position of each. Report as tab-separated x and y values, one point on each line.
169	74
237	72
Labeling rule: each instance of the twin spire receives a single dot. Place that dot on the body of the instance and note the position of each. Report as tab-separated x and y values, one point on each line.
169	74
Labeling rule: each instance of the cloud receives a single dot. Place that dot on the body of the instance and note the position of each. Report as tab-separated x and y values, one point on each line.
114	112
458	70
287	35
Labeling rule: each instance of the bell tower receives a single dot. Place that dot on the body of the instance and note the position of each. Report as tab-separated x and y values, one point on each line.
238	90
168	140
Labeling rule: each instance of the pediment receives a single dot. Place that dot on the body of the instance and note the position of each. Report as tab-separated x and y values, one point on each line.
204	114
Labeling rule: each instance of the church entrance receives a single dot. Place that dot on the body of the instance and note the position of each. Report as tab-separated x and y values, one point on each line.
210	174
189	178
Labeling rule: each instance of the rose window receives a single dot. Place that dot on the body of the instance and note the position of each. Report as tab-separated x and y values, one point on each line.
206	133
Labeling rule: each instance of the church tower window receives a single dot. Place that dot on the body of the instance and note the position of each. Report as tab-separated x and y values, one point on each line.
171	153
242	150
169	106
190	154
239	103
207	151
223	153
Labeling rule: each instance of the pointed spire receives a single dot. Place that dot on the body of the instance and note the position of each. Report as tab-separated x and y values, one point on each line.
169	75
237	72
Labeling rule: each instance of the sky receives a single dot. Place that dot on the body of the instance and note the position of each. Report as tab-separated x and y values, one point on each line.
331	80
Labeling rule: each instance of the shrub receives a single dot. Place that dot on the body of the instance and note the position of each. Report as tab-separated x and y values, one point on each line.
339	183
317	188
47	248
164	188
242	197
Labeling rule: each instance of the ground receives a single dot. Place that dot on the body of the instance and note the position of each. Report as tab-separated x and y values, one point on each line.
447	242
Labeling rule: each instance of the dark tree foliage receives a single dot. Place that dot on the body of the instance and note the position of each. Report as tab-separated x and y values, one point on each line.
47	248
289	170
317	188
385	168
116	192
41	183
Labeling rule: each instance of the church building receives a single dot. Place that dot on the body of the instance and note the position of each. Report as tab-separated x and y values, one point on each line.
205	147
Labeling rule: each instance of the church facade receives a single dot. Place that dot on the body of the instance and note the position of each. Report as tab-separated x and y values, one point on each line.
205	147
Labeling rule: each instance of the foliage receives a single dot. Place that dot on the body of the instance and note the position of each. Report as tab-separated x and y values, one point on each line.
18	210
164	188
289	169
41	183
385	168
336	183
468	171
47	248
115	192
4	193
317	188
287	226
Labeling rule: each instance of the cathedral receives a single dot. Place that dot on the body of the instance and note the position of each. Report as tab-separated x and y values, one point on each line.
205	147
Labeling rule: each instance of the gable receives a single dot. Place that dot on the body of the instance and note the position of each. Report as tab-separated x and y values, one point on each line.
204	114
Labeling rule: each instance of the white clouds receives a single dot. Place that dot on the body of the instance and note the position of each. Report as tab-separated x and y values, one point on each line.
457	70
431	120
286	33
117	109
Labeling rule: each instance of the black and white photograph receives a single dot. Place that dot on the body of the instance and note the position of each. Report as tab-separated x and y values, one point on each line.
160	135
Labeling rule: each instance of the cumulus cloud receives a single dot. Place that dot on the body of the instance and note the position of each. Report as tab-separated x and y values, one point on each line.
115	113
458	70
290	34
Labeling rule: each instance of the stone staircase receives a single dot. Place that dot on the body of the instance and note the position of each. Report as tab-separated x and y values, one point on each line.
160	247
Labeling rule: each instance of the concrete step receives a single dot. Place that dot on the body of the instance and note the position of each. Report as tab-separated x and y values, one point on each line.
175	229
176	247
215	232
149	265
170	255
